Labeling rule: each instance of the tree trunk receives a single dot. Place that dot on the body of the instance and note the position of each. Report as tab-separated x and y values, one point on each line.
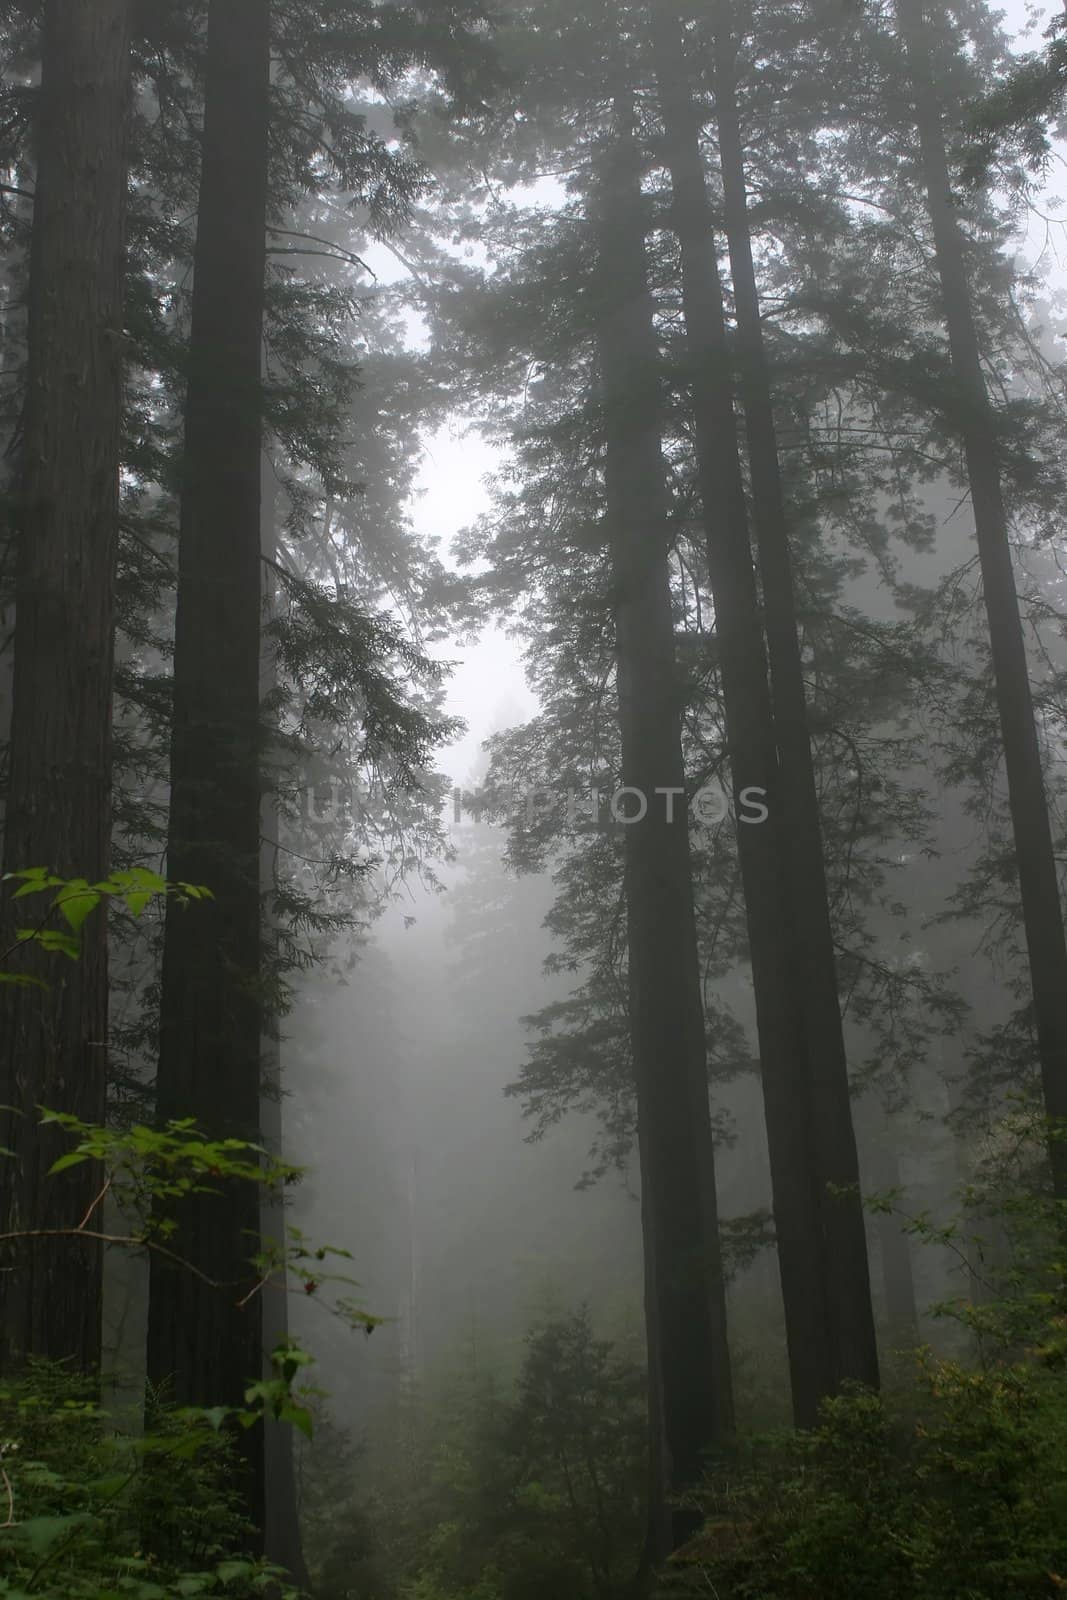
658	1534
54	1050
1038	880
281	1529
666	1011
201	1343
750	742
850	1323
898	1279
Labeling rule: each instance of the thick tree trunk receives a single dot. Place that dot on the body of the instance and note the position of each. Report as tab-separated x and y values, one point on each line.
666	1013
54	1044
750	741
850	1322
201	1342
1035	854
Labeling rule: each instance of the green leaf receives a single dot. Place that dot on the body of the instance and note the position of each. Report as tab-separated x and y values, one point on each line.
299	1417
229	1570
23	980
73	1158
50	939
33	880
110	1486
76	905
40	1533
140	878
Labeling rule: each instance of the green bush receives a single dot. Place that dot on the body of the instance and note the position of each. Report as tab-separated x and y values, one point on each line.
958	1493
78	1498
477	1493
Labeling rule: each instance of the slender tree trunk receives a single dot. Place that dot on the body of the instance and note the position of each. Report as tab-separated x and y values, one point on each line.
53	1046
281	1530
750	742
1035	854
658	1536
898	1278
666	1011
850	1322
201	1342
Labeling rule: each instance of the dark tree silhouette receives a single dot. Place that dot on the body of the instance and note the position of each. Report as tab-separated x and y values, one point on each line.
204	1343
53	1048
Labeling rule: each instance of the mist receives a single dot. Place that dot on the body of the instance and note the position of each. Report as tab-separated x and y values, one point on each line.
533	743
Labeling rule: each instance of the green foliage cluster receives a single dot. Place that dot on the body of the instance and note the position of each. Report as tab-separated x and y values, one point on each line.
513	1497
92	1512
952	1484
74	899
960	1491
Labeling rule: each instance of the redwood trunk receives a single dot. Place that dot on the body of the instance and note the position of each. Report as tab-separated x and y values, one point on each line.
54	1043
687	1314
1034	850
852	1351
750	742
202	1344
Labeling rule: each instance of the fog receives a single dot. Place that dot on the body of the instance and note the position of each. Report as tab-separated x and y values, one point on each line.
533	772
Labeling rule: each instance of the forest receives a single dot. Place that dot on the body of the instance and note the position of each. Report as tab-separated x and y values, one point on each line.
533	798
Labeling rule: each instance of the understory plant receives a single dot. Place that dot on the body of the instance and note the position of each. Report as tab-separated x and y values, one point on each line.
91	1507
952	1486
79	1490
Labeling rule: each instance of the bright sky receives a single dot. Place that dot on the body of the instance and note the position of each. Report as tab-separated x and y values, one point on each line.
487	689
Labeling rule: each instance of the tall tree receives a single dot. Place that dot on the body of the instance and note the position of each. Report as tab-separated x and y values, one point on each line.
750	736
54	1045
281	1533
686	1309
850	1321
204	1344
1042	911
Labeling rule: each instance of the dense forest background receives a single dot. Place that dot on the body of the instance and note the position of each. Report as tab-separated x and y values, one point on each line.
533	1016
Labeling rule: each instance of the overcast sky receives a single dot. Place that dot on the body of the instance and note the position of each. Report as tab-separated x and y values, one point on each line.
488	688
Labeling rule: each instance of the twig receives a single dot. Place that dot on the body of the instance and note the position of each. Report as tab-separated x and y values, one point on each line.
335	250
130	1241
10	1522
93	1206
256	1287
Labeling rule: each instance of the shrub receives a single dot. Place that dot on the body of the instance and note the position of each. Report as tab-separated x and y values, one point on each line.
77	1497
959	1495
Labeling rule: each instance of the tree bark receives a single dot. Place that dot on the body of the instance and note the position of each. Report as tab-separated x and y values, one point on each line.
202	1345
658	1534
54	1044
1046	945
850	1323
282	1543
750	741
666	1012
